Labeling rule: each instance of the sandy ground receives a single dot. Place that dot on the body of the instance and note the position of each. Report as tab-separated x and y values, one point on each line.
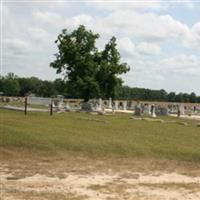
80	180
105	186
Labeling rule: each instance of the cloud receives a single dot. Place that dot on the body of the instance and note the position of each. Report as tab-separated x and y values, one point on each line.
47	17
182	64
150	27
192	39
87	20
38	33
15	46
147	26
148	48
126	47
130	5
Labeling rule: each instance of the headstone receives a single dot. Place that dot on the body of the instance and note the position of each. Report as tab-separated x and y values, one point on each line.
182	109
124	105
60	105
138	110
153	111
149	109
87	106
116	105
67	106
162	111
100	104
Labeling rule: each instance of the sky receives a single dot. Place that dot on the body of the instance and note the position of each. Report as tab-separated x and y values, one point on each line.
160	40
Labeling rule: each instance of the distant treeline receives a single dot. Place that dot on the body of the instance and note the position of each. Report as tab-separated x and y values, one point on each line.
12	85
143	94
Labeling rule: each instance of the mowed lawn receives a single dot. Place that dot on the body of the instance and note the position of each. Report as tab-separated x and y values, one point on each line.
96	135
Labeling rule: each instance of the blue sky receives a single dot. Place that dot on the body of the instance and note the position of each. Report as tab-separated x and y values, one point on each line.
160	40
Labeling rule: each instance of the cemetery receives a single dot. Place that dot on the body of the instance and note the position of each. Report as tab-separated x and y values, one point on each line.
59	148
100	100
102	106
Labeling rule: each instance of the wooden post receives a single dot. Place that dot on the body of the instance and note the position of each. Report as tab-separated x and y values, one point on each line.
51	109
25	104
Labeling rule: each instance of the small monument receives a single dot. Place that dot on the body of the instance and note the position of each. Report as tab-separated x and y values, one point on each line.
88	106
149	109
182	109
67	106
138	110
99	107
153	110
110	103
124	105
116	105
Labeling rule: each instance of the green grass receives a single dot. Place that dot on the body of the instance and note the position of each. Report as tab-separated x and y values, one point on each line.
119	136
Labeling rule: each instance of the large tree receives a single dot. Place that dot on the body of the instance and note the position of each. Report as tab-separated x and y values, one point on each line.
90	73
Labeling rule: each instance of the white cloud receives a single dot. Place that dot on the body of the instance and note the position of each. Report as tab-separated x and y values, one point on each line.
46	17
148	48
15	46
192	39
87	20
126	47
188	64
148	26
38	33
128	5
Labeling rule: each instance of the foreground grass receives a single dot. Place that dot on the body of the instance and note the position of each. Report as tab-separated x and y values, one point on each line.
116	135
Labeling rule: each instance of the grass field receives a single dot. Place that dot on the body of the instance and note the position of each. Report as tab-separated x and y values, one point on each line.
114	135
79	156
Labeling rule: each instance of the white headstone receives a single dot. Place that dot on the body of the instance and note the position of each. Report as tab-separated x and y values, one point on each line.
149	109
67	105
60	105
124	105
153	111
116	105
100	104
182	109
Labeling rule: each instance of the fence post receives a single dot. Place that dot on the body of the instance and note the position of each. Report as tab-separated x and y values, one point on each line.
25	106
51	109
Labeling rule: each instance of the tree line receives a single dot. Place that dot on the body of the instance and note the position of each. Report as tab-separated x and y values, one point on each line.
12	85
142	94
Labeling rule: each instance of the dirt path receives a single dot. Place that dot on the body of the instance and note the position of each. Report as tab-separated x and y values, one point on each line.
100	186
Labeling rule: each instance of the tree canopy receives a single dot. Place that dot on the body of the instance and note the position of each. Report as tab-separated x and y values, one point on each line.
90	73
